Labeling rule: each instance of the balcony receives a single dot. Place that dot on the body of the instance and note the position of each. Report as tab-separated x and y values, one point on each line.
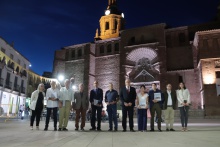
8	84
1	82
16	88
23	90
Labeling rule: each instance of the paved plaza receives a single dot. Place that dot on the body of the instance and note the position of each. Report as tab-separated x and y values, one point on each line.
202	133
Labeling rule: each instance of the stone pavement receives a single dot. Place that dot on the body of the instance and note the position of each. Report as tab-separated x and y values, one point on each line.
203	133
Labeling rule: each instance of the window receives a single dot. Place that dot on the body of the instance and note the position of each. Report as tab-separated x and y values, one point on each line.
107	26
8	78
182	39
80	53
16	81
109	48
3	50
73	54
117	47
133	40
168	41
102	49
11	56
19	62
116	24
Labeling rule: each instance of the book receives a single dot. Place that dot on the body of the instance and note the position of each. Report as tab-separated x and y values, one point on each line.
96	102
157	96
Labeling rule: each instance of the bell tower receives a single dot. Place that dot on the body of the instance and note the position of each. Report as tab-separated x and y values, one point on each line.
111	23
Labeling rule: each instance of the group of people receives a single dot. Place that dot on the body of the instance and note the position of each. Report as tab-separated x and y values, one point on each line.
65	99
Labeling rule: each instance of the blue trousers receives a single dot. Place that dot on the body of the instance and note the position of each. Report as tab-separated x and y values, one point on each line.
142	119
112	115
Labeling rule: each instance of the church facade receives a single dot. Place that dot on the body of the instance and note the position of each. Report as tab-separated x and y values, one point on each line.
146	55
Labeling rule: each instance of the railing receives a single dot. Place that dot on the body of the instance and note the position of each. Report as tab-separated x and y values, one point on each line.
8	84
23	90
16	87
1	82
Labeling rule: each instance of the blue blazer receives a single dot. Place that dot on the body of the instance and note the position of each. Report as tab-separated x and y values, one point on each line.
97	96
128	98
151	98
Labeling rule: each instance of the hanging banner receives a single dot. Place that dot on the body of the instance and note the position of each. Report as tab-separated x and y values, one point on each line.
218	86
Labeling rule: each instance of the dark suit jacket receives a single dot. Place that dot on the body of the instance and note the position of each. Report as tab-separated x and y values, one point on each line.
128	97
78	100
151	98
174	99
97	96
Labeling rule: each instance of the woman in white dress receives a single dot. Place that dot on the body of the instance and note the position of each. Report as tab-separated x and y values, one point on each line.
183	97
142	105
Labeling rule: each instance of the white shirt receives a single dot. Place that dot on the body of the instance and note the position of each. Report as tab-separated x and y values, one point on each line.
51	93
128	88
67	94
142	98
183	95
169	101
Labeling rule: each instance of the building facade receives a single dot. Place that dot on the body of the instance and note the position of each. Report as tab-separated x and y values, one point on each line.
146	55
13	78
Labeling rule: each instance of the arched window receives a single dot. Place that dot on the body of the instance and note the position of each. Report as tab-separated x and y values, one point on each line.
102	49
107	26
79	52
109	48
73	54
117	47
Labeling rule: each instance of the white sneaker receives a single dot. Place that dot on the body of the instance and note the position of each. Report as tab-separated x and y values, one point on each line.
31	128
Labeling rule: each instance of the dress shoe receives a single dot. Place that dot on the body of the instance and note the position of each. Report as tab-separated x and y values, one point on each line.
132	130
109	130
59	129
76	129
45	129
116	130
152	130
172	130
159	130
65	129
92	129
99	130
82	129
55	128
168	129
124	130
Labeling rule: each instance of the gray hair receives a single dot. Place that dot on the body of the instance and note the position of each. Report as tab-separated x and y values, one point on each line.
38	88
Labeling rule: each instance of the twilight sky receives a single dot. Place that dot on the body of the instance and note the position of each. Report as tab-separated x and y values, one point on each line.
39	27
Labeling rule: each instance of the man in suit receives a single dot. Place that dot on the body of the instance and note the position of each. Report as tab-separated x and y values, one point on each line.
80	104
96	98
127	97
169	107
155	106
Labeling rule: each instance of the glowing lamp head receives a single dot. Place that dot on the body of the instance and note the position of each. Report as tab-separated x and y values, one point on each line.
122	15
107	12
74	87
60	77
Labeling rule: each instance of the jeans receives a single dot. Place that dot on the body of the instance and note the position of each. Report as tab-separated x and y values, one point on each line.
54	116
142	119
112	115
184	115
37	114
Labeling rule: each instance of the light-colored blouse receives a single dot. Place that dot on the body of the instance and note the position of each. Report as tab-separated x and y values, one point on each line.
142	98
183	94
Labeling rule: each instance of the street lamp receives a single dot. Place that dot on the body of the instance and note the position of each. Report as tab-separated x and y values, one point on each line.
74	87
60	78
